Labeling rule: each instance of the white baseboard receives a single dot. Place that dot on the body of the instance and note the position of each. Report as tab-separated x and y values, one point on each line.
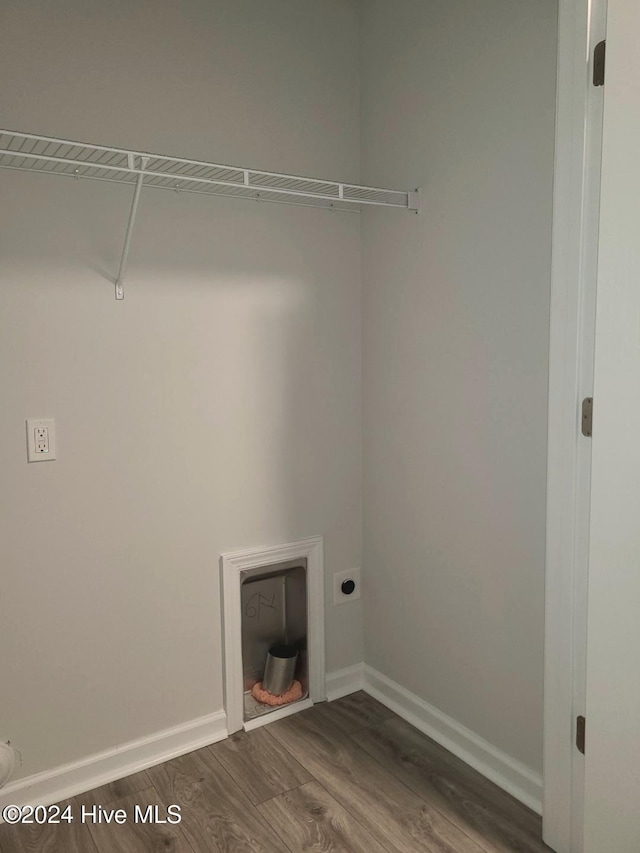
344	681
511	775
77	777
68	780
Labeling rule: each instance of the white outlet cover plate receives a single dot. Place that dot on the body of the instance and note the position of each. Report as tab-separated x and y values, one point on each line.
32	425
338	579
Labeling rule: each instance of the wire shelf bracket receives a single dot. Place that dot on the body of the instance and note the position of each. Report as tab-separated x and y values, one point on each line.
32	153
132	219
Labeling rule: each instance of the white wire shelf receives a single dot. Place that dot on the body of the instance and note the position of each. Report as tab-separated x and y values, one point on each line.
32	153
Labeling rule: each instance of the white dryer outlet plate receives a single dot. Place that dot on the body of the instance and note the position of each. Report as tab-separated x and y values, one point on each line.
339	578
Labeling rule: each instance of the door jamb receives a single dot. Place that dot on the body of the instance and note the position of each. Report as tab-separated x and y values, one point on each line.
572	331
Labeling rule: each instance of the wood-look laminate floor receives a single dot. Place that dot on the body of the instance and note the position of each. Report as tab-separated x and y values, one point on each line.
344	777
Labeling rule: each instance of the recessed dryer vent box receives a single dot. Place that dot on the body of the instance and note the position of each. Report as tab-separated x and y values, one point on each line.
273	597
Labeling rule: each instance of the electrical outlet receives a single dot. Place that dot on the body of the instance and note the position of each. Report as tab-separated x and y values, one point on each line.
346	586
41	439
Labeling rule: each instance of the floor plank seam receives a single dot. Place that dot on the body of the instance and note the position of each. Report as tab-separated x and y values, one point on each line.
351	815
426	802
280	793
282	841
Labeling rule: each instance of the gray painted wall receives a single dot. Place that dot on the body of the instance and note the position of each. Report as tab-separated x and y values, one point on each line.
458	97
218	406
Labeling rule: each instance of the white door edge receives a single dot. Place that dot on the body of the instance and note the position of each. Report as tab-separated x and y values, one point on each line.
572	333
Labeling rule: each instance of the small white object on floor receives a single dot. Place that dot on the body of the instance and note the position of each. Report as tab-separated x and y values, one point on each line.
7	762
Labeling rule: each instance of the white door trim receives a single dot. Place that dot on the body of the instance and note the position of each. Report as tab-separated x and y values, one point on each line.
573	280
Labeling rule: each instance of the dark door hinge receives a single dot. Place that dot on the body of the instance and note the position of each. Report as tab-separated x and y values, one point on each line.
587	416
598	63
580	727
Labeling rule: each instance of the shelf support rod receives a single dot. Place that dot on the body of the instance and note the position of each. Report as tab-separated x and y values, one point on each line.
132	218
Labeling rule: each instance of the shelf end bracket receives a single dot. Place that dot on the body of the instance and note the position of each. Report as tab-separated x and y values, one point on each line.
413	200
132	219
